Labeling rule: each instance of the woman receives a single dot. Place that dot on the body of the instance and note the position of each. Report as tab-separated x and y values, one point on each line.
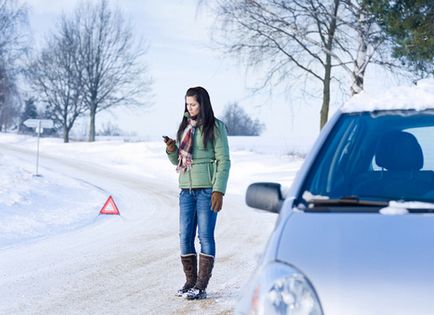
202	159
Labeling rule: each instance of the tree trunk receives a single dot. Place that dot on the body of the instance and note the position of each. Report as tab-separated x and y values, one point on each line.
65	129
92	124
326	93
328	67
362	54
65	134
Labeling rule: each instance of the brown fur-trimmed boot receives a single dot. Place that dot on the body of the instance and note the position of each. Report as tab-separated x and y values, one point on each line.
206	264
189	264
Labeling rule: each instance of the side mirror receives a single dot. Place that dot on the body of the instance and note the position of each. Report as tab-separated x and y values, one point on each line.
265	196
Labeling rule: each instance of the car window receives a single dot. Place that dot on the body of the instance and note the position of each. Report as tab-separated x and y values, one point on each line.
386	155
426	141
424	137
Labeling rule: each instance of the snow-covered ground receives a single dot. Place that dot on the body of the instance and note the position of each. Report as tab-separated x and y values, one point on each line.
58	256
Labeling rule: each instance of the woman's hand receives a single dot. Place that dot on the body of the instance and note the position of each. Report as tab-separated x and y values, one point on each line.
216	201
170	144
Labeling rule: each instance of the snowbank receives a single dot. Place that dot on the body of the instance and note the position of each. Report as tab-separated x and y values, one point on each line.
34	207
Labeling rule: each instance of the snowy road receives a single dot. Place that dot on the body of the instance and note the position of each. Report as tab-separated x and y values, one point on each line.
127	264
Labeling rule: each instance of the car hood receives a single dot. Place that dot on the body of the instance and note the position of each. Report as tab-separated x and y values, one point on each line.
364	263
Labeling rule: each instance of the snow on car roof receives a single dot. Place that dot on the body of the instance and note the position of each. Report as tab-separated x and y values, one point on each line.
417	97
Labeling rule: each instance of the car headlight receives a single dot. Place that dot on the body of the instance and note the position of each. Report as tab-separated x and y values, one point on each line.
282	289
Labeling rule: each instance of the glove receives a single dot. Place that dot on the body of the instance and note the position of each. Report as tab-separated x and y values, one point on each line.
216	201
170	145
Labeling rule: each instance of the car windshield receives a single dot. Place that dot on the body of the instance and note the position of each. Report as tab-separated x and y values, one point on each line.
370	159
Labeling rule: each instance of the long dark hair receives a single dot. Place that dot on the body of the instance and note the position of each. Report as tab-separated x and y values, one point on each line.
206	117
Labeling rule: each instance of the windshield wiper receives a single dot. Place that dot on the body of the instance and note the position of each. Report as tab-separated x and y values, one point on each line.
352	201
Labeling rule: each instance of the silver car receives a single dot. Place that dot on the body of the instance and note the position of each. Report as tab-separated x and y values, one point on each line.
355	234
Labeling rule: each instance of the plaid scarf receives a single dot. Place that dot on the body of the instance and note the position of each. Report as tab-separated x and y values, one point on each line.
186	147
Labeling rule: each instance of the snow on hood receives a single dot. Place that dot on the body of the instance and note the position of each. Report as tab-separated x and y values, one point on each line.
393	211
417	97
402	207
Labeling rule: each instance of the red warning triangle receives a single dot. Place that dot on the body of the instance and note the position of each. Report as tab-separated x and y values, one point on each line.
109	207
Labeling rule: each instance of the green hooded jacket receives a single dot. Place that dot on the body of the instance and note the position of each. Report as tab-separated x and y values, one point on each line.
210	165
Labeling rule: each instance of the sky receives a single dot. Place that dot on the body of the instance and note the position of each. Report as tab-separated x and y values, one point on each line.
180	55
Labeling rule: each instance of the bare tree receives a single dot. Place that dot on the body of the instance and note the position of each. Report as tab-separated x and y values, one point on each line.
113	74
13	45
9	100
360	42
110	129
282	36
90	66
362	25
239	123
13	35
57	75
314	36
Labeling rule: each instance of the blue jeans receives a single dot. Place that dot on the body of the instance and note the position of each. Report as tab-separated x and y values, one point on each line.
195	213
